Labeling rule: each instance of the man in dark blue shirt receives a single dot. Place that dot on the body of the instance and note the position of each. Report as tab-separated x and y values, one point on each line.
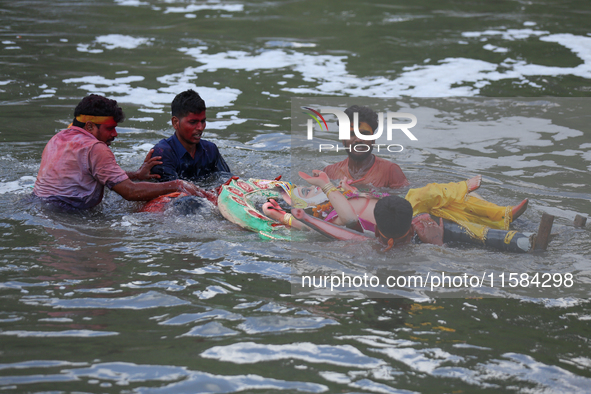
185	155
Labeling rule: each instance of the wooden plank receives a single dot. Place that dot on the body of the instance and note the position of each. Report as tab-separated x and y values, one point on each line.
580	221
543	236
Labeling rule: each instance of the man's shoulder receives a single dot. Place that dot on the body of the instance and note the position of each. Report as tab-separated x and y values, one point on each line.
208	144
74	132
100	152
391	171
165	146
164	142
77	140
101	147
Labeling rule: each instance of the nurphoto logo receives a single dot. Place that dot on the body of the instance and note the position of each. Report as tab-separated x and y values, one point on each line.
345	124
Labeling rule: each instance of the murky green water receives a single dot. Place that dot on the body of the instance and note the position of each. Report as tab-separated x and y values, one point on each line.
113	300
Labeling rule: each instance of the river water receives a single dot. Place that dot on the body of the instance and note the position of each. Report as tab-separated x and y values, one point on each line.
114	301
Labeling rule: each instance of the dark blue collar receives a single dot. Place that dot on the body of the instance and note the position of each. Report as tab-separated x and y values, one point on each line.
179	149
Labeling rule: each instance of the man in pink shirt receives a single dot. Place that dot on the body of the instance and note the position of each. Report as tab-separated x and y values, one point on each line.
361	166
77	163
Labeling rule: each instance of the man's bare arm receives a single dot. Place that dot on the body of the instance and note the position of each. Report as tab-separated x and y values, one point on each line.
145	191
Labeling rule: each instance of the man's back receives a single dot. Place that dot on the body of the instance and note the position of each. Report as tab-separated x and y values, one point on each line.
75	167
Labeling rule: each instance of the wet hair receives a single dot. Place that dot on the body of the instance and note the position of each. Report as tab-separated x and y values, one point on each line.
96	105
366	115
393	216
187	102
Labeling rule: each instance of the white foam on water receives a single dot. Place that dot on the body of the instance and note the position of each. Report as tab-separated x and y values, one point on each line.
448	135
223	124
183	380
270	59
113	41
467	346
41	96
579	362
11	319
22	185
152	273
490	47
450	77
274	307
41	364
182	81
216	314
152	110
166	285
131	3
58	334
270	94
86	48
227	113
99	290
57	320
331	77
207	6
150	299
245	305
124	373
274	323
335	377
144	119
378	341
423	360
404	18
212	329
559	213
98	80
122	90
289	44
46	92
251	353
143	147
523	368
328	75
210	292
202	271
567	302
508	34
369	385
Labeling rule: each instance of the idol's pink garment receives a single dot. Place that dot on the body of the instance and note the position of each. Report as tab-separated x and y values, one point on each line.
75	167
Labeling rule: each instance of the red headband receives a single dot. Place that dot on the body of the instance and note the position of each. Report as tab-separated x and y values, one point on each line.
392	241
